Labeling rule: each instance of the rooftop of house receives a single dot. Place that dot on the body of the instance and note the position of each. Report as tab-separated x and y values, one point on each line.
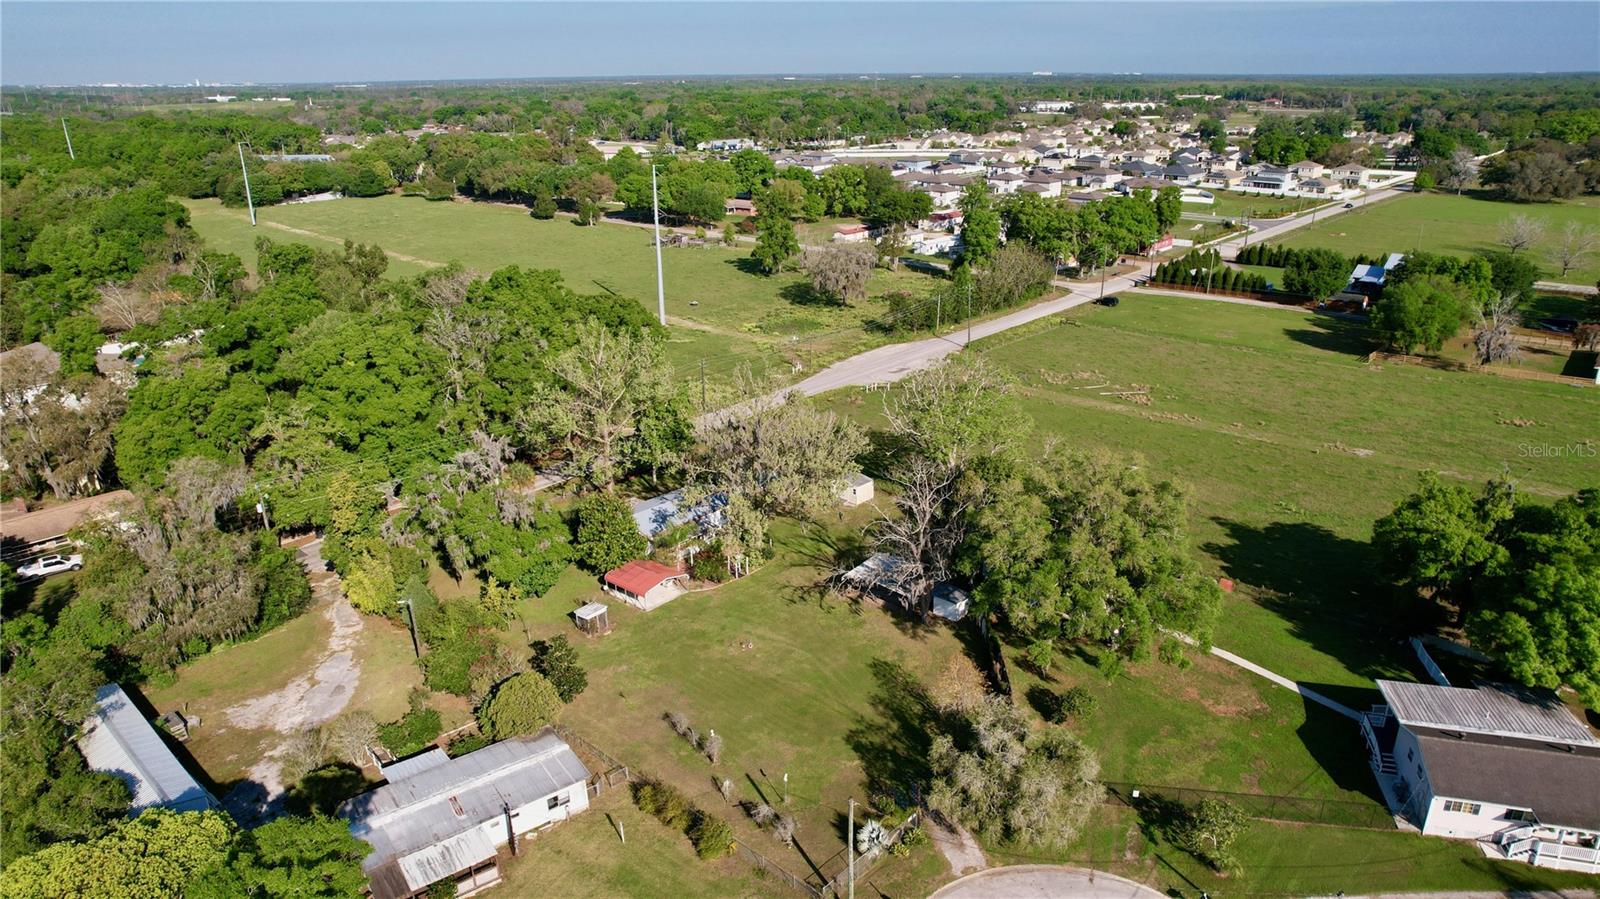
119	741
1559	782
640	576
1493	710
425	824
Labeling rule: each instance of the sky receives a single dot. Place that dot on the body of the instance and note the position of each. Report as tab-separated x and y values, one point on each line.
234	42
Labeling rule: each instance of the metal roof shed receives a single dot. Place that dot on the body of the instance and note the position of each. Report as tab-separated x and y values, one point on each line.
592	618
118	740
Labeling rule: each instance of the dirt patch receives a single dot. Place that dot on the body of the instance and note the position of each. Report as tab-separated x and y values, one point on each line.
313	698
316	696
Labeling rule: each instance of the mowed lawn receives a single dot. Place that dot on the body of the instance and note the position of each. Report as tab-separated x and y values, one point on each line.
724	312
1287	859
1291	446
792	680
1236	205
1445	223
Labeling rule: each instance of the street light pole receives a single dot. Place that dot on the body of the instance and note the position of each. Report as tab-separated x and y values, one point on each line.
249	200
655	212
73	156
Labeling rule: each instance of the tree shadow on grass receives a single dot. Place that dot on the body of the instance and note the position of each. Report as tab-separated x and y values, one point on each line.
801	293
892	741
1320	583
747	265
1335	335
833	551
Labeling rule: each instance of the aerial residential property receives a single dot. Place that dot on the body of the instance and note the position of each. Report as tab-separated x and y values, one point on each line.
1508	768
685	449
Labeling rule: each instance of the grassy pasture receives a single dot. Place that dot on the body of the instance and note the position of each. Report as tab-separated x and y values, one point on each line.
1234	205
723	311
1445	223
1291	447
794	683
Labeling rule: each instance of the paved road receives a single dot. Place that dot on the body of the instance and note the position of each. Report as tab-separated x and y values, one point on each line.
1044	882
895	361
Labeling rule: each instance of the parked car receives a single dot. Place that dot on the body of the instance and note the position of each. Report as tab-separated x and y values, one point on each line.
1108	301
44	566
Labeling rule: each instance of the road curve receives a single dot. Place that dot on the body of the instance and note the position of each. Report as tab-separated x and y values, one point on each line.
1044	882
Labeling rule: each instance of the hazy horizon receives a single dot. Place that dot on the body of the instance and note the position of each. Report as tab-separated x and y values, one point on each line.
304	43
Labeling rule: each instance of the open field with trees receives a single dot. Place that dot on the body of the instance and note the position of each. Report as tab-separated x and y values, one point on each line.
794	680
1455	225
401	371
1316	446
738	317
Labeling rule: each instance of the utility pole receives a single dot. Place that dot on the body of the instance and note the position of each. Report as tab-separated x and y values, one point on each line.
261	506
655	212
851	847
249	201
71	155
938	311
702	385
969	313
1102	281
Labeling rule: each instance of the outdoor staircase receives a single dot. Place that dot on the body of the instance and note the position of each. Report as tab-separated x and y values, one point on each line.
1375	718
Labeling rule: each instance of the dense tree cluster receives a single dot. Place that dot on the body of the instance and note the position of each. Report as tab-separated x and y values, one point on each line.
1520	576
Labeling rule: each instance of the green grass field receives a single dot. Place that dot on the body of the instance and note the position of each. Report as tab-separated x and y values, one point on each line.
1284	859
1445	223
724	312
1291	447
1235	205
794	684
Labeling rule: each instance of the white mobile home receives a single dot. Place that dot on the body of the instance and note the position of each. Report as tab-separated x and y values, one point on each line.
118	740
440	818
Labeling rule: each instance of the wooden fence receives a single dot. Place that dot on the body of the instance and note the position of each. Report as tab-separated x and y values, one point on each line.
1447	365
608	772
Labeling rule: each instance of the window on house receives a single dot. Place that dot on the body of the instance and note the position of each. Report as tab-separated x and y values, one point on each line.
1517	814
559	800
455	806
1466	808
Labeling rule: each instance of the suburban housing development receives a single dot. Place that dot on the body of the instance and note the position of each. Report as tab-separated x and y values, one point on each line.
420	479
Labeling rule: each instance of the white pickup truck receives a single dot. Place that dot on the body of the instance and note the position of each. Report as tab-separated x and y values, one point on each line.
44	566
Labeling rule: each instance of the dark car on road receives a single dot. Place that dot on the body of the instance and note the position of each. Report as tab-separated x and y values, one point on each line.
1108	301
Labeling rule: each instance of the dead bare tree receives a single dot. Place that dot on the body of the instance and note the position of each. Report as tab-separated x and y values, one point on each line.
1576	243
927	530
1492	338
1460	169
1519	232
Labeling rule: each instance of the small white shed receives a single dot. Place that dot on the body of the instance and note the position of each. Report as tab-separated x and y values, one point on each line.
858	489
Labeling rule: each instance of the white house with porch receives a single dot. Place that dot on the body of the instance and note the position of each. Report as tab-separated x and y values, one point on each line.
1511	768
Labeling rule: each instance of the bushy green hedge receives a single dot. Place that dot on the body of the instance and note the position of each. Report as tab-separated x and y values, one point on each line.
712	837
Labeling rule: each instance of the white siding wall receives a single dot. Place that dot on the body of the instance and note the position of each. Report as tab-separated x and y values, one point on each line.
1488	821
538	813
